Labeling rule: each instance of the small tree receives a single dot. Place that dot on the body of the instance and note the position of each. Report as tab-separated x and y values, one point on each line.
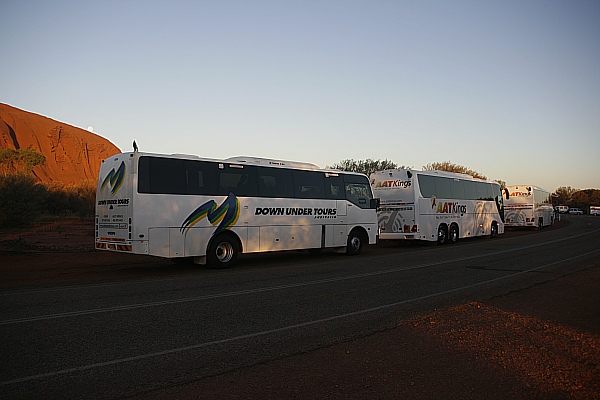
19	161
585	198
563	194
366	167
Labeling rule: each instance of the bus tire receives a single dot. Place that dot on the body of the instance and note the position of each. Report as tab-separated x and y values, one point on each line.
222	251
442	234
355	242
494	231
453	234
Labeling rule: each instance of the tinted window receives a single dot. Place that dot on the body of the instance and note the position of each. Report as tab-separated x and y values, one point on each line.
309	184
334	187
470	190
275	182
484	191
457	188
201	177
237	179
496	191
427	185
442	188
161	175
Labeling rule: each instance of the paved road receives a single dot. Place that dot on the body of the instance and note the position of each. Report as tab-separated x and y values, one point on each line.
126	333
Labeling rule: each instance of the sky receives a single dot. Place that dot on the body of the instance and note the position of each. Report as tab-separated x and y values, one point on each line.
510	89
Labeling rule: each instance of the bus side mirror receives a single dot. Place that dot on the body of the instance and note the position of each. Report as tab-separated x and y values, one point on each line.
375	203
506	193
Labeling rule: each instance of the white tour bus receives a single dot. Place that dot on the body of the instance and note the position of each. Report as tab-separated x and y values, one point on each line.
185	207
595	210
529	206
436	205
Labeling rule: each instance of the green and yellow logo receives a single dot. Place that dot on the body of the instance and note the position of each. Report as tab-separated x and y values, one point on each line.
115	179
226	215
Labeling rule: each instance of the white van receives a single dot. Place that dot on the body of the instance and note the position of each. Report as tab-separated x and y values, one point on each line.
563	209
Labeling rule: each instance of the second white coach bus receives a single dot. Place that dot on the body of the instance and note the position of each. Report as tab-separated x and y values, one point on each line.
436	205
209	211
528	206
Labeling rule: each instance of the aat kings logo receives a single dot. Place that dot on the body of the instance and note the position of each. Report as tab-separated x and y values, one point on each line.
115	179
448	207
397	183
226	215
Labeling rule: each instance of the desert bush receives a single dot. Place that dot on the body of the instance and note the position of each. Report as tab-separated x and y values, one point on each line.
22	200
71	199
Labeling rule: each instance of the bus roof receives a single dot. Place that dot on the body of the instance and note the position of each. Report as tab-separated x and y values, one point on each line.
269	161
433	172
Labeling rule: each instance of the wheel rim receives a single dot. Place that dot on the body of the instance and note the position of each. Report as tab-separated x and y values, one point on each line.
453	235
355	243
441	235
224	252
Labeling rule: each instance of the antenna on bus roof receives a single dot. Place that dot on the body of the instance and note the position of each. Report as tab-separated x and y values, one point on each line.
135	146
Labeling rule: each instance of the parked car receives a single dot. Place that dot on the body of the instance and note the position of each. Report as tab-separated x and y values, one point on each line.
573	210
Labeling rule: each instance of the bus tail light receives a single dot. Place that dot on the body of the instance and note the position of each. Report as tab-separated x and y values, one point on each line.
406	228
414	228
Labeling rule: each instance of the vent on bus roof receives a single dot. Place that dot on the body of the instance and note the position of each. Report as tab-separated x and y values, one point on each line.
268	161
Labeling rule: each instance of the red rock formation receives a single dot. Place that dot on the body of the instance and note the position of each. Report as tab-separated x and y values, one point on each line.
72	154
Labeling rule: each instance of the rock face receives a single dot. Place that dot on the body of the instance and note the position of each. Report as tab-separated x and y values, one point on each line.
72	154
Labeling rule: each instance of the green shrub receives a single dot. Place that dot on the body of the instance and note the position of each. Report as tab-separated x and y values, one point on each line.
22	200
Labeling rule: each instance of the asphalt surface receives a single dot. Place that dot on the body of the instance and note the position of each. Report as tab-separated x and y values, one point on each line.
274	326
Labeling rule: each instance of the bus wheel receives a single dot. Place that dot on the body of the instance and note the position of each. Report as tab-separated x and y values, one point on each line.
453	236
494	230
442	234
355	243
222	252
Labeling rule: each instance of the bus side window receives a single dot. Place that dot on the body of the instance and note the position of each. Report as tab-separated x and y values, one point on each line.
274	182
201	177
442	187
484	191
240	181
162	175
309	184
334	187
458	189
470	190
427	185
